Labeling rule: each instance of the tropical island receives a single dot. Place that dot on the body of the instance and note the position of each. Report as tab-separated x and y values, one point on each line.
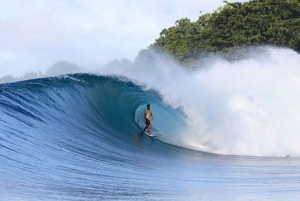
230	31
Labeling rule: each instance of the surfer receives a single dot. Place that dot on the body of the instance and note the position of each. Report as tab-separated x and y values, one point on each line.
147	115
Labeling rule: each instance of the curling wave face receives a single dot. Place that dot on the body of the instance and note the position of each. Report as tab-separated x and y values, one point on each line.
78	137
248	107
245	108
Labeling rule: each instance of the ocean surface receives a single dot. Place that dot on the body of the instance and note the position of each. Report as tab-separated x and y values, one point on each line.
230	132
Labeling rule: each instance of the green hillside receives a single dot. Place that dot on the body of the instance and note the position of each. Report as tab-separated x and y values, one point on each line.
234	26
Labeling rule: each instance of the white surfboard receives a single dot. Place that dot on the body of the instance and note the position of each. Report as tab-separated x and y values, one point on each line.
150	135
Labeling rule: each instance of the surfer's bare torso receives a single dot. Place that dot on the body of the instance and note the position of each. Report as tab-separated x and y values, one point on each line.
147	116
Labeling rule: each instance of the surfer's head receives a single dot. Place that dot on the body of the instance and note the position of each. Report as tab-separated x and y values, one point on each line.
148	105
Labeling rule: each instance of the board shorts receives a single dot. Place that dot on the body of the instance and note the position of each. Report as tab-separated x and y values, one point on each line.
147	122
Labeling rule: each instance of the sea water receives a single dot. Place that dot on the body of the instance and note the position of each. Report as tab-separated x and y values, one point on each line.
226	132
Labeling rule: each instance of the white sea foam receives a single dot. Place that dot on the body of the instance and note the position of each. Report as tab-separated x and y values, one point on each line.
249	107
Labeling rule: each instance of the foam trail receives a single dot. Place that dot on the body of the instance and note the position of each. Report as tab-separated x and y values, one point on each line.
245	108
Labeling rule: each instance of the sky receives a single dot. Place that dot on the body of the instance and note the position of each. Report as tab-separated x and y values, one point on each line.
34	34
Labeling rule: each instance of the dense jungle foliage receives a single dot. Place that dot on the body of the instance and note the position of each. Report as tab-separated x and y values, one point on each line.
230	30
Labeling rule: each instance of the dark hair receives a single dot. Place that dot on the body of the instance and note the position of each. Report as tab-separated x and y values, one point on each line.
148	105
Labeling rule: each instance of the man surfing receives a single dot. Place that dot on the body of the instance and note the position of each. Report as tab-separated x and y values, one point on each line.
147	115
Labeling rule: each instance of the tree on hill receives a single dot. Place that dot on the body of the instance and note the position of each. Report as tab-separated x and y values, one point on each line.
231	27
62	67
123	63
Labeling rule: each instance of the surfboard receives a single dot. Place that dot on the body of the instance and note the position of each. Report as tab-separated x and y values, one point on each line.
150	135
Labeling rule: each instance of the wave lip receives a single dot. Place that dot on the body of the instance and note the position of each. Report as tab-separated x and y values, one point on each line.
244	108
249	107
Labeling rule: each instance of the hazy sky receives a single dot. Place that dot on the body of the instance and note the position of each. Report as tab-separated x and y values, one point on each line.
34	34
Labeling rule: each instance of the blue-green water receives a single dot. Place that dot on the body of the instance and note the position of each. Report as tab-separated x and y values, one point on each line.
78	137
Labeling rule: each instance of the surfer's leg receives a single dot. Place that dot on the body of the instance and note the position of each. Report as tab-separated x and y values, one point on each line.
147	124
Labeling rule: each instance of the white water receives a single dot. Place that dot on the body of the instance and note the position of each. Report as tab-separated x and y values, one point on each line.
247	108
250	107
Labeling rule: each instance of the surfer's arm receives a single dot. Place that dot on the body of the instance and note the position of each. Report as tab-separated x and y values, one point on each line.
145	116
